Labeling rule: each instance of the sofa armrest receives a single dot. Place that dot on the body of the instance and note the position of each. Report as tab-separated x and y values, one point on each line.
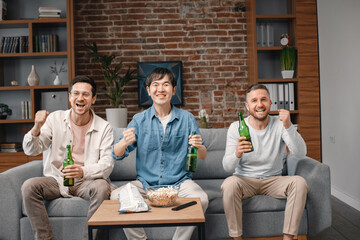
11	200
318	203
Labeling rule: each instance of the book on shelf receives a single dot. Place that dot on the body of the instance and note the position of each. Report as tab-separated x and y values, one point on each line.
14	44
49	12
282	96
11	147
264	35
47	15
25	110
49	9
46	43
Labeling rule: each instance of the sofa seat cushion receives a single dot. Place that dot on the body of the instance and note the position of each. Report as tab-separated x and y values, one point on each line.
66	207
262	203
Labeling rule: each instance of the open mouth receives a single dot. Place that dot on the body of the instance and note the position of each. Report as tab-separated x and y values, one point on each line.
80	105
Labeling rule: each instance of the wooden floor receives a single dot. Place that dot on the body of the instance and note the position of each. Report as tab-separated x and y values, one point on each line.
345	224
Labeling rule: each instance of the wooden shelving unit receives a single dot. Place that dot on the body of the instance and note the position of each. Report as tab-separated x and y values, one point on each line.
297	18
16	66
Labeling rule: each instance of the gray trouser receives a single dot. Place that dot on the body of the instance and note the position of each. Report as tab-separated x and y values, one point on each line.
36	190
188	189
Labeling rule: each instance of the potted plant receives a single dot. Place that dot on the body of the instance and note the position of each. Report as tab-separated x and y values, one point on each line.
4	111
287	62
56	71
114	84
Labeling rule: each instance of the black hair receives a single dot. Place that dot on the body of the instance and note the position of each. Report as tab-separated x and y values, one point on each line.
84	79
159	73
254	87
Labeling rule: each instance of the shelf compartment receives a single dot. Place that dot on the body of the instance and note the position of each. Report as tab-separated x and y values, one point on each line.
278	28
51	99
42	64
14	131
32	9
14	102
274	7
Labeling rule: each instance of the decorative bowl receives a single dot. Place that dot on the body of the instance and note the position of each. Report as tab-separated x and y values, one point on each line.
162	195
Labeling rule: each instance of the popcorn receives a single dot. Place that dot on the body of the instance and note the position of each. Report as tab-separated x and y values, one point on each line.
163	196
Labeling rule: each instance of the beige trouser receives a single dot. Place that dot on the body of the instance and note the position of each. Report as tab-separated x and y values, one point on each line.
36	190
236	188
188	189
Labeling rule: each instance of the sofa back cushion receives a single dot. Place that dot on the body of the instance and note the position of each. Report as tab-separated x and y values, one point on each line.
215	143
210	168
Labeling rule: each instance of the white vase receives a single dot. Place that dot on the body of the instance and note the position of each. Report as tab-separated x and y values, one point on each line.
33	78
57	80
287	74
117	117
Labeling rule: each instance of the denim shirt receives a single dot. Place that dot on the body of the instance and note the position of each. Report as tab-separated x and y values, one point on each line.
161	158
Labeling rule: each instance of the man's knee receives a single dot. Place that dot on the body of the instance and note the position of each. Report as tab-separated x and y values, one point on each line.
204	199
28	187
100	188
230	185
300	184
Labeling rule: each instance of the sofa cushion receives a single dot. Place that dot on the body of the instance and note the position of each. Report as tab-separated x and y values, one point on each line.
125	170
66	207
215	143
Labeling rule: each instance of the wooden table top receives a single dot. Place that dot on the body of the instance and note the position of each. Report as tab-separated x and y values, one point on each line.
107	214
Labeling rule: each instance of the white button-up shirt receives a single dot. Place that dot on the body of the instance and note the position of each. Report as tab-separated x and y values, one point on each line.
56	133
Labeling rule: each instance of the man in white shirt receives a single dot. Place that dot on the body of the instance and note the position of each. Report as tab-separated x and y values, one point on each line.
91	140
259	172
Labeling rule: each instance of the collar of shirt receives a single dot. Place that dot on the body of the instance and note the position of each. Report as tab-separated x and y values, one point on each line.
161	157
67	120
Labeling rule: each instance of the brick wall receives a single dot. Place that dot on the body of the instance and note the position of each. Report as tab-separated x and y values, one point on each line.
209	37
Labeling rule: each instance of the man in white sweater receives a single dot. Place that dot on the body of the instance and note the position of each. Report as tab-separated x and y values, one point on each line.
259	172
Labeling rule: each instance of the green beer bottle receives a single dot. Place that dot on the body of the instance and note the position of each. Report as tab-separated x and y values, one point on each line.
191	158
244	130
68	182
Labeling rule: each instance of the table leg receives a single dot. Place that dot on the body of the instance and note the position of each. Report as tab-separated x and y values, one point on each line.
201	231
90	233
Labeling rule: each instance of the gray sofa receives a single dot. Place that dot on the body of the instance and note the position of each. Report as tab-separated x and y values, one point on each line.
263	215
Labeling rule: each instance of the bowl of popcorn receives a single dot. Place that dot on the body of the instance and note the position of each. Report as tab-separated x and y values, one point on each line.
162	195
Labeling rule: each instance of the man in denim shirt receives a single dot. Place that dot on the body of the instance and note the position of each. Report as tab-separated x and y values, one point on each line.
162	134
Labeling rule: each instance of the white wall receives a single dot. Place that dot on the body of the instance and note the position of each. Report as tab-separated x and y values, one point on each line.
339	49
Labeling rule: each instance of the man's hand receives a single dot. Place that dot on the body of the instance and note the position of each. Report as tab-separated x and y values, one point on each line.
73	171
128	139
129	136
40	118
284	116
195	140
242	146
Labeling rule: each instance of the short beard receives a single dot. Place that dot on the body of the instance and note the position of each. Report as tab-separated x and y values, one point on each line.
259	119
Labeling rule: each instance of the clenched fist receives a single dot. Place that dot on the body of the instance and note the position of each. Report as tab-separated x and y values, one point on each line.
40	118
284	116
129	136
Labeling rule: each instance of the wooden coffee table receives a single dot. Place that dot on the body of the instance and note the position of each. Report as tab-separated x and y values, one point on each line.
107	216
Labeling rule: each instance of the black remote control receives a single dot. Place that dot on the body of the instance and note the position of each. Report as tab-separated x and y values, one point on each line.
185	205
